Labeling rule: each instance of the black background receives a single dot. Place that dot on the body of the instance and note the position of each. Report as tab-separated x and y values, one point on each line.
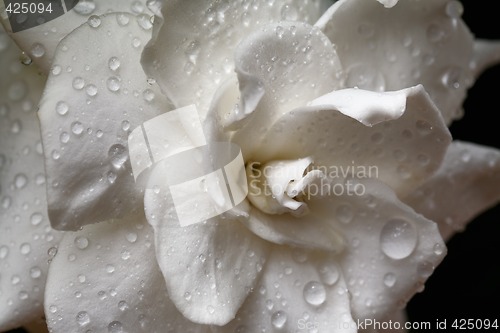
467	283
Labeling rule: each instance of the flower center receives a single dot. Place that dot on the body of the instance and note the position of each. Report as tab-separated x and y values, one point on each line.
280	187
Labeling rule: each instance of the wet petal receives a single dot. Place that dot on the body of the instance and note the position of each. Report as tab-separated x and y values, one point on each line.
401	149
40	42
105	278
301	291
467	183
25	234
89	107
209	267
192	52
415	42
293	63
391	250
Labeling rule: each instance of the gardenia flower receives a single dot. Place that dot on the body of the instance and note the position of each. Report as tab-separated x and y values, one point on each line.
355	100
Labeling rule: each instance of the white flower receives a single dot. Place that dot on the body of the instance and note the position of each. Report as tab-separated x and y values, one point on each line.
263	77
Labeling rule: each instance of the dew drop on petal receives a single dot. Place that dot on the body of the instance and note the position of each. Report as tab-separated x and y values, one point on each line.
114	63
78	83
398	238
20	181
37	50
122	305
118	155
288	13
25	248
329	273
91	90
36	219
81	242
4	252
389	280
314	293
82	318
122	19
35	272
77	128
131	237
115	327
113	83
94	21
85	7
454	9
278	319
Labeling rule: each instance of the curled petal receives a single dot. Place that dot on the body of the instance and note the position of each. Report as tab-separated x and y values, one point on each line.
398	137
414	42
89	107
192	48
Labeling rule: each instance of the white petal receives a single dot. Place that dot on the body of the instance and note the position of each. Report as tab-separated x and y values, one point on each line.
300	291
25	234
388	3
209	267
415	42
89	107
293	63
105	277
192	52
40	42
403	151
467	183
391	250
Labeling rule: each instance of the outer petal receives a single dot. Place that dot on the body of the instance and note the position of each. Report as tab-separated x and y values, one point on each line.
91	103
300	291
293	63
25	234
392	250
41	41
467	183
105	279
403	151
209	267
486	54
415	42
194	43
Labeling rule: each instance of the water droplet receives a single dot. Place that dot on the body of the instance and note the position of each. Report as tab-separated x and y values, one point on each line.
78	83
423	127
23	295
4	252
20	181
435	33
344	213
389	280
144	21
111	176
118	155
122	305
82	318
85	7
279	32
299	255
15	279
131	237
187	296
113	63
25	59
148	95
454	9
289	13
35	272
314	293
82	278
136	42
81	242
192	51
210	309
278	319
91	90
125	125
36	219
115	327
398	238
122	19
94	21
110	269
113	83
37	50
423	159
329	273
64	137
438	249
25	248
52	252
77	128
137	7
453	78
53	309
